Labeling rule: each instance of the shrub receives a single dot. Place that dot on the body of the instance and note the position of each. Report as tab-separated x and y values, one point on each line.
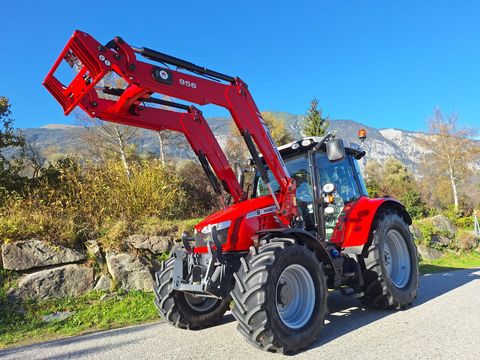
68	203
465	240
200	195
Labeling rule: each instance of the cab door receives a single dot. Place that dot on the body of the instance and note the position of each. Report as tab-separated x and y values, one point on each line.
347	191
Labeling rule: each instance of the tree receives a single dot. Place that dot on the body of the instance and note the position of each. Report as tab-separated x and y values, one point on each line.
394	180
8	138
34	159
315	123
451	150
236	149
163	136
373	178
280	134
107	135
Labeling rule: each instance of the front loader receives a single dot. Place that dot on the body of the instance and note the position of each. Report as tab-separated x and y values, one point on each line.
306	226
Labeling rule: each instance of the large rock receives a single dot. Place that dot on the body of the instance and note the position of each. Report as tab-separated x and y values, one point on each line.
466	240
416	232
68	280
129	272
441	240
104	283
443	223
156	244
429	253
30	254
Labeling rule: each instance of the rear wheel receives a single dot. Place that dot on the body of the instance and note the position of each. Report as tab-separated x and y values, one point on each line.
185	310
390	268
280	296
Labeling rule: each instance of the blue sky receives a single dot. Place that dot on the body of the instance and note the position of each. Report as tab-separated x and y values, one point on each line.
382	63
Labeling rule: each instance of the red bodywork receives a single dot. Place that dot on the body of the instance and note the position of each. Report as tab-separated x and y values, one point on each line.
351	231
94	62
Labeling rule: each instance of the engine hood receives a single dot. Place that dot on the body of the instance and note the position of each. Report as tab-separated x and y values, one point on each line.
244	208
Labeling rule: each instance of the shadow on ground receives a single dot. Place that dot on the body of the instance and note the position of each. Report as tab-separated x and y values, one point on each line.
347	314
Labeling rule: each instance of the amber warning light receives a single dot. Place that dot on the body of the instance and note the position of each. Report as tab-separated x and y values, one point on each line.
362	135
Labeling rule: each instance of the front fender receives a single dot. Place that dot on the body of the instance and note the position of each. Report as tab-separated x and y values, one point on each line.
303	237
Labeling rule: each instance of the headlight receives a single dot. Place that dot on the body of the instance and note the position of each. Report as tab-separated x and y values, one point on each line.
205	234
220	226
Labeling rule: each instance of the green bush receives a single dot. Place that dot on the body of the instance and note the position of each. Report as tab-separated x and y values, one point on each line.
460	219
427	231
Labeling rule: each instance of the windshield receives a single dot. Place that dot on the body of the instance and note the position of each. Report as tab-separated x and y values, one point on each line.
298	168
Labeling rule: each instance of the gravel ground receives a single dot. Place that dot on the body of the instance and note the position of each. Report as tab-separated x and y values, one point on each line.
444	323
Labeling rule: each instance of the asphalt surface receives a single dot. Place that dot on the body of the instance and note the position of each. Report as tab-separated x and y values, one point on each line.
444	323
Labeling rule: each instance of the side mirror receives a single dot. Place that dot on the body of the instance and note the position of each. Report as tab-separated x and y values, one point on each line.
335	150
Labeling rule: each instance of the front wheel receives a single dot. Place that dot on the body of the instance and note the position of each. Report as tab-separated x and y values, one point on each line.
390	268
280	296
184	310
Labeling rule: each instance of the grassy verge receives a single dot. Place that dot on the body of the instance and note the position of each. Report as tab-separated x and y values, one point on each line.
24	323
451	261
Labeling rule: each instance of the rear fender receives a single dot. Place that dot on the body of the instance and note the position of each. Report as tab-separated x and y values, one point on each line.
358	226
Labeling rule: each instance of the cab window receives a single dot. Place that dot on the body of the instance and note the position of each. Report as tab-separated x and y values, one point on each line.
339	173
299	169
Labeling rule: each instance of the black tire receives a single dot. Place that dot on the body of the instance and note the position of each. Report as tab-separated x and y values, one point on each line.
379	290
178	308
255	297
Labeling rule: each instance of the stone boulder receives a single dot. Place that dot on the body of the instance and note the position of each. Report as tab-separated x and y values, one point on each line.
68	280
416	233
104	283
466	240
428	253
156	244
129	272
441	240
30	254
443	223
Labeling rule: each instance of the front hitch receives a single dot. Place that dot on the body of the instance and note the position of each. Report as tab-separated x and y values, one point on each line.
199	273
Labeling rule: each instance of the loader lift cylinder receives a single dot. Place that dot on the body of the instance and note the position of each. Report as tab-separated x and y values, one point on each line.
183	64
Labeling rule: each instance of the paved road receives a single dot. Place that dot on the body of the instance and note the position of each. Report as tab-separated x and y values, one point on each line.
443	324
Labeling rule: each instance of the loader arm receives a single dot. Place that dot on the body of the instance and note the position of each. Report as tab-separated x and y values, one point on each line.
93	62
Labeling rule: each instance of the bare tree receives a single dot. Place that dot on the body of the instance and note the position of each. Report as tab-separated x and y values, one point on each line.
164	139
110	136
34	158
452	149
106	135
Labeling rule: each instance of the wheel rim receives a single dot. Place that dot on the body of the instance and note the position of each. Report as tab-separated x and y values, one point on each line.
200	303
397	258
295	296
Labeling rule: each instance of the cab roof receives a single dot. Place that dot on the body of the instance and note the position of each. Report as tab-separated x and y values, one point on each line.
305	144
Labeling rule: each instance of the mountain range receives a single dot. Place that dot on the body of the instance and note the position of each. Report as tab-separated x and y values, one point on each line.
380	144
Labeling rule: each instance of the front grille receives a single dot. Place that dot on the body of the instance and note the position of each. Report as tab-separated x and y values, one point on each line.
201	239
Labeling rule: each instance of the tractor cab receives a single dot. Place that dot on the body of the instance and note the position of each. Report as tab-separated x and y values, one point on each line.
324	186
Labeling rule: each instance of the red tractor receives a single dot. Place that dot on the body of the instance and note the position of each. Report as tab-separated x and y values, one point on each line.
307	225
